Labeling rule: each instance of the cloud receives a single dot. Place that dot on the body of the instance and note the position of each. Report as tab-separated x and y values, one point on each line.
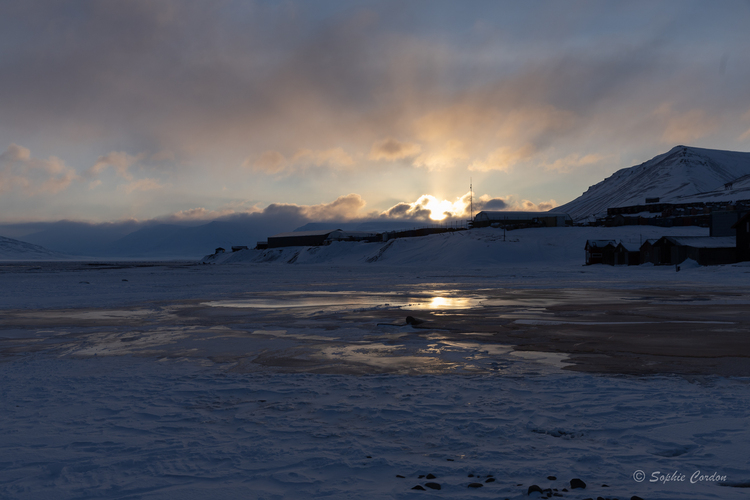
334	158
684	127
343	207
273	162
547	205
201	214
270	162
300	87
443	155
16	153
117	160
485	202
429	208
573	161
746	135
146	184
492	204
163	155
543	206
33	176
391	149
503	159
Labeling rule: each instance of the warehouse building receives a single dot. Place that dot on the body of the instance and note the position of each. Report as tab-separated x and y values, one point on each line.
318	238
522	219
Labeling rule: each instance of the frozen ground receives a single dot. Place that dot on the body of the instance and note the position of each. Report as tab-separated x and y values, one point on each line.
174	380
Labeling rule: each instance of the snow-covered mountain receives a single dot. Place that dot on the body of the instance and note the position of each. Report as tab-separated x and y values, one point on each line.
11	249
682	175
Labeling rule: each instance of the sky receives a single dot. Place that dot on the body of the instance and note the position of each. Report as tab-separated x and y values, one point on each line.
193	110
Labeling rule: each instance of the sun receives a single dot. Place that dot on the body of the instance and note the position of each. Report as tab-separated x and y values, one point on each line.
438	208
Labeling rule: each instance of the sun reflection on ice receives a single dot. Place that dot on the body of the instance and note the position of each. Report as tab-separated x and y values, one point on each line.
443	302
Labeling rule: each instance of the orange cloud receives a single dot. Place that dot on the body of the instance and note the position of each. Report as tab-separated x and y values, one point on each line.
573	161
685	127
503	159
273	162
343	207
270	162
147	184
118	160
19	170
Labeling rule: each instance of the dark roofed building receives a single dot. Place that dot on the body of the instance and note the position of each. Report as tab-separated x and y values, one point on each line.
299	238
705	250
545	219
600	252
742	238
318	238
627	254
722	223
647	253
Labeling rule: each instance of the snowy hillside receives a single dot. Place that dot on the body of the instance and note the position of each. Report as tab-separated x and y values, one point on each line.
559	246
684	174
11	249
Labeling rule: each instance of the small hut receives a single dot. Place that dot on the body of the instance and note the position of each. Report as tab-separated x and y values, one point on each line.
600	252
627	254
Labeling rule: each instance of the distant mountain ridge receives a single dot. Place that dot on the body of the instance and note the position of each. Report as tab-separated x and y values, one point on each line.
11	249
682	175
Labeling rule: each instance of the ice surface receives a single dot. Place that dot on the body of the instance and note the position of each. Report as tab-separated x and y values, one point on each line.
138	389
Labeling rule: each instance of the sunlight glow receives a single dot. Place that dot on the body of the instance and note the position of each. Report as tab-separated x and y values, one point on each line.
442	209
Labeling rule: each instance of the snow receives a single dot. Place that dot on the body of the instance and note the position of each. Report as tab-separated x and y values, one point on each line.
12	249
133	427
535	247
682	175
706	242
257	379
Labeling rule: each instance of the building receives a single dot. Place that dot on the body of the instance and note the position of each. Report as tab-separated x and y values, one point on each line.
722	223
627	254
522	219
600	252
647	253
742	238
706	251
299	238
318	238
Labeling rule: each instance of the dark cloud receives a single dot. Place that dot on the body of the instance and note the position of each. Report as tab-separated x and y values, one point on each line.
407	211
493	204
290	92
392	149
199	75
397	211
